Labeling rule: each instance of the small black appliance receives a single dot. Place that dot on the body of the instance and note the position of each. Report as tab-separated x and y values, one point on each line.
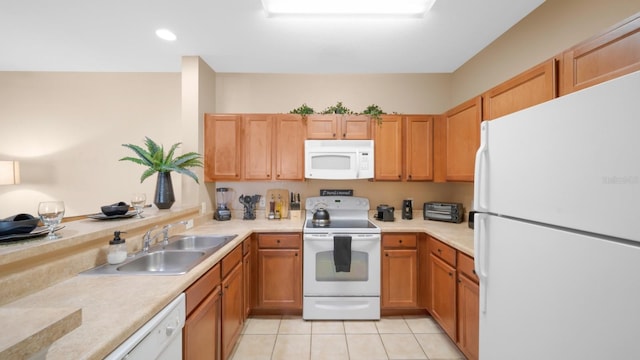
222	213
407	209
385	212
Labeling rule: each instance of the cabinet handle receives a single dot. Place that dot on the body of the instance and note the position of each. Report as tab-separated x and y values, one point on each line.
459	281
399	176
409	177
296	254
400	241
278	175
278	241
334	134
450	274
344	135
439	251
226	286
386	254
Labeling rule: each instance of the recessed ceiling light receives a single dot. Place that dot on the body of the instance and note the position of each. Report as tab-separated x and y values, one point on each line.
166	34
347	7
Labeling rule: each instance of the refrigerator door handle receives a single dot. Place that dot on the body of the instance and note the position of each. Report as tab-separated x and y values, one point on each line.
480	244
480	191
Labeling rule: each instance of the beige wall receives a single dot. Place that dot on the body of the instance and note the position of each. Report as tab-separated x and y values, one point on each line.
554	26
67	129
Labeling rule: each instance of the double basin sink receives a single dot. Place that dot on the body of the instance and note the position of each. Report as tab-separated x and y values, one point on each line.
181	254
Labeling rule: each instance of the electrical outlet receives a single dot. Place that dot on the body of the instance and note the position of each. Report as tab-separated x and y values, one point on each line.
189	224
262	203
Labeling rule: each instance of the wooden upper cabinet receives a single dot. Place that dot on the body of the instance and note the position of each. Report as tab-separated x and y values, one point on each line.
355	127
604	57
336	126
388	148
257	141
463	139
222	147
418	148
322	126
532	87
289	147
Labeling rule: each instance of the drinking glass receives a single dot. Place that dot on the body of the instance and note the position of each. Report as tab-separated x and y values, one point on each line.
138	201
51	213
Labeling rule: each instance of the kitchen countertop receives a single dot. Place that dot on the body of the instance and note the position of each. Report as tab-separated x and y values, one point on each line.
114	307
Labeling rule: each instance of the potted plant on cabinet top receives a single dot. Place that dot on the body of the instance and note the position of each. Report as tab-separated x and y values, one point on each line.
155	160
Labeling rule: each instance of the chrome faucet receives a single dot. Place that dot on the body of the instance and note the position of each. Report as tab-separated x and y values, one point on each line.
165	231
147	239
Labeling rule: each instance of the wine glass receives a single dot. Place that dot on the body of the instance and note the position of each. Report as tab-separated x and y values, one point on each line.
138	201
51	213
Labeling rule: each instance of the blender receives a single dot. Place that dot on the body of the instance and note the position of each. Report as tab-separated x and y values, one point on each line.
222	213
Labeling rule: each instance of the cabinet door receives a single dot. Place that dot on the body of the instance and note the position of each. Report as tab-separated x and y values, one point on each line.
400	278
388	148
468	317
246	271
201	333
463	139
602	58
419	148
443	295
355	127
258	140
532	87
222	150
289	147
322	126
279	279
232	309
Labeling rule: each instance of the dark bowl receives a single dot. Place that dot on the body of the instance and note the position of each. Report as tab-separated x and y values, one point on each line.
18	224
120	208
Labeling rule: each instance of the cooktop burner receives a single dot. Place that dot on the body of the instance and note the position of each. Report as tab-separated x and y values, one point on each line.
343	224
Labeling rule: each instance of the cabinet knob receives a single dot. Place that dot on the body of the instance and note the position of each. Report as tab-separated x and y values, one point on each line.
439	251
450	274
334	134
409	176
226	286
296	254
278	175
400	241
278	241
344	135
399	176
386	254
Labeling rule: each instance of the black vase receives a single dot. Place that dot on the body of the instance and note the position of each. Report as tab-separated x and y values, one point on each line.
164	198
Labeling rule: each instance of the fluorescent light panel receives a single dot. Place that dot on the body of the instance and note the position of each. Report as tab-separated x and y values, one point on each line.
347	7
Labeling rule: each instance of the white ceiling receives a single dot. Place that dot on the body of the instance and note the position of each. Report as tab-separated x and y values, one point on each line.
237	36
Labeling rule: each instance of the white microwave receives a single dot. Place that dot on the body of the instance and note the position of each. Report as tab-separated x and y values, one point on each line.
338	159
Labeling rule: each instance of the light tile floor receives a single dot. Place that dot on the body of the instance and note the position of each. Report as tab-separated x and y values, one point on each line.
291	338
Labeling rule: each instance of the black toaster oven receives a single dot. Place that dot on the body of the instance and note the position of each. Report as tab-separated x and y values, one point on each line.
440	211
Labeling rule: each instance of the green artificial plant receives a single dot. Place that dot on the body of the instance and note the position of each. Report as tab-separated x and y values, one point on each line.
154	158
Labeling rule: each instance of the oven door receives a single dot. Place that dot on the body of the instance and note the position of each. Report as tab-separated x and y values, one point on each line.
320	277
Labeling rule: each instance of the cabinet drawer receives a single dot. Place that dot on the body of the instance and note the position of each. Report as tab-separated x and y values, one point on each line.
231	260
443	251
279	241
399	241
202	287
465	266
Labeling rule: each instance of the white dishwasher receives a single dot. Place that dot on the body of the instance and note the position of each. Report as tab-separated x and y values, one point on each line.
160	338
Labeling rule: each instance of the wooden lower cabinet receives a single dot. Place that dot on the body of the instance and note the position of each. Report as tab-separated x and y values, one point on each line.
279	273
232	302
246	271
201	333
202	329
399	288
468	316
443	293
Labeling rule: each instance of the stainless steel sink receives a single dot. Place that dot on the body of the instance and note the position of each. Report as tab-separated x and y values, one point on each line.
164	261
198	242
183	253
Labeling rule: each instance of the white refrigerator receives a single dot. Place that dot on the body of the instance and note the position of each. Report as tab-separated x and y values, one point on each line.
557	236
